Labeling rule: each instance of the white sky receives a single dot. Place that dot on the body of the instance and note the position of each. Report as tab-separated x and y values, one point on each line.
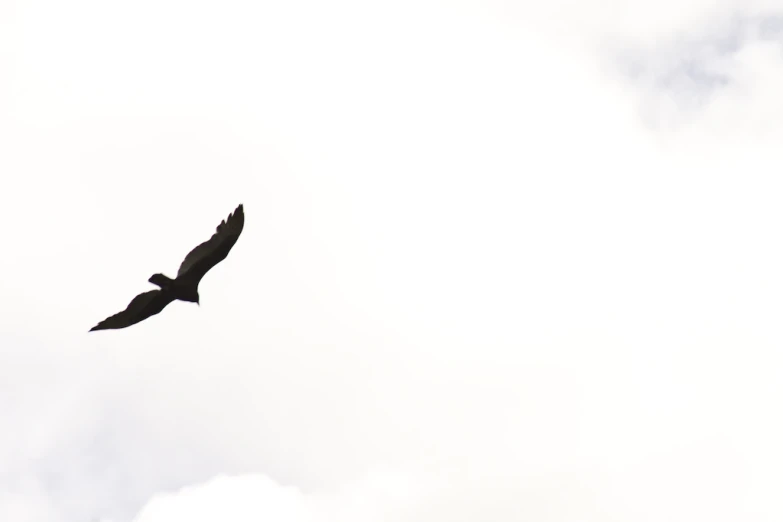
502	260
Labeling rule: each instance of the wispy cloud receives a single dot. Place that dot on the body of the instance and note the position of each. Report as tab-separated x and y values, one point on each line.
685	71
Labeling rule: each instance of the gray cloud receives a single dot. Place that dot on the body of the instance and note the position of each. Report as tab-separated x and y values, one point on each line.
689	69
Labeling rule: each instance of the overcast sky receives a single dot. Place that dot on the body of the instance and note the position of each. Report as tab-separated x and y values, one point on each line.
502	260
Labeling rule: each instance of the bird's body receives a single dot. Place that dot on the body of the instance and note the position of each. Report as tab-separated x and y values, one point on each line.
185	286
180	289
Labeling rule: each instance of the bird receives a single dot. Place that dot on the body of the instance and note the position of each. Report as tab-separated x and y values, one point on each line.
185	286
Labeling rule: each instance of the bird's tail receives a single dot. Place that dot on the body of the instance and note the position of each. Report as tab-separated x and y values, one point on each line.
161	280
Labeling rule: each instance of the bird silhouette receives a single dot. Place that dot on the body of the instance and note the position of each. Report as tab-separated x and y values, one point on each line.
185	286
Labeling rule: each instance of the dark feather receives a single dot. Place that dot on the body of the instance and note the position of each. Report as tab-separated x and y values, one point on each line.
143	306
185	287
209	253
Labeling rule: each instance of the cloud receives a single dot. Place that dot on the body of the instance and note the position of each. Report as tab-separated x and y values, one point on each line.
473	280
240	498
392	496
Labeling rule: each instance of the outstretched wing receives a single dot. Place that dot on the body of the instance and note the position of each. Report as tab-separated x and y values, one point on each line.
212	252
143	306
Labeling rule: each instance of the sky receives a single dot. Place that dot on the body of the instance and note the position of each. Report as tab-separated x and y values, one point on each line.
513	261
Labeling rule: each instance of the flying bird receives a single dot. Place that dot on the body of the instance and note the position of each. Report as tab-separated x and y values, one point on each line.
185	286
